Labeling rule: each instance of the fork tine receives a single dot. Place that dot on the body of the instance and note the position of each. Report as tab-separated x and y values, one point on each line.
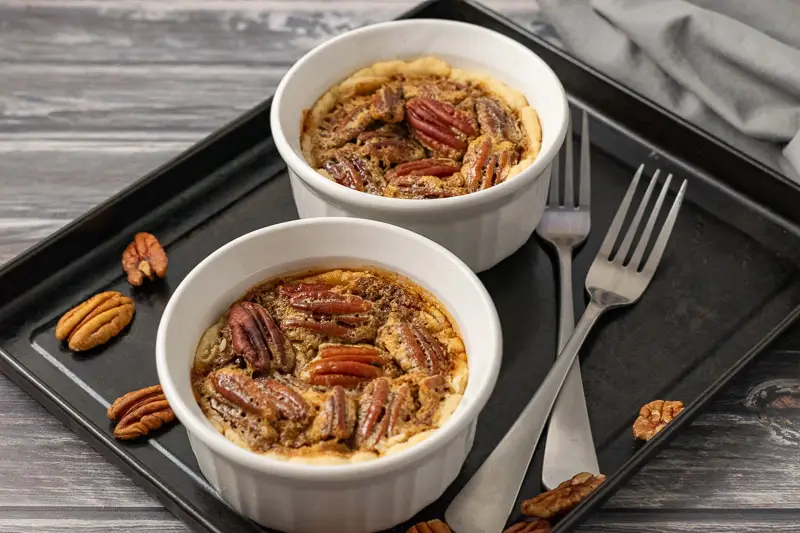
616	224
661	242
622	253
569	198
585	192
555	179
648	229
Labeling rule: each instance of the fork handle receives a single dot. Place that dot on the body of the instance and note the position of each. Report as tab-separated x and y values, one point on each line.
569	446
485	502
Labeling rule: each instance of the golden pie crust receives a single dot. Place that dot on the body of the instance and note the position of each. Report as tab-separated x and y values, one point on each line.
366	82
331	367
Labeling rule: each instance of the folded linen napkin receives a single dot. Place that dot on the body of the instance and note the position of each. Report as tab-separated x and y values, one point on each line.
731	67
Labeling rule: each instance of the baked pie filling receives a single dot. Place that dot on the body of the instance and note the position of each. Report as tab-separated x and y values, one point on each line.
331	367
420	129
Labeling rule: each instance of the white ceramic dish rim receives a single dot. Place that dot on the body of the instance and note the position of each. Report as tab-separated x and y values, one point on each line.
330	473
349	196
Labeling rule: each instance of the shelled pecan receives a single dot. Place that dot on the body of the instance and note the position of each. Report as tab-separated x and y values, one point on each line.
654	416
487	163
351	171
390	145
95	321
438	167
380	412
337	419
388	104
344	365
139	412
495	121
562	499
258	339
241	390
290	404
144	258
440	127
413	347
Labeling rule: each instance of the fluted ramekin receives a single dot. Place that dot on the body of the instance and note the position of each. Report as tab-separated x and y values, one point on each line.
481	228
352	498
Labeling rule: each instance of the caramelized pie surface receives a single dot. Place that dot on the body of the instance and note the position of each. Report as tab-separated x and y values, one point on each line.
420	129
332	367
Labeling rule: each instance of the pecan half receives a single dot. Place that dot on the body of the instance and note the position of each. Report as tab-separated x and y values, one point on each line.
495	121
440	168
564	498
413	347
241	390
487	164
139	412
95	321
535	526
290	404
654	416
352	172
388	105
344	365
338	416
380	412
144	257
323	327
440	127
328	302
258	339
257	432
390	145
431	526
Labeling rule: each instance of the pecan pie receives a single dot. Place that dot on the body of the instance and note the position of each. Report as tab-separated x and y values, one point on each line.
332	366
420	129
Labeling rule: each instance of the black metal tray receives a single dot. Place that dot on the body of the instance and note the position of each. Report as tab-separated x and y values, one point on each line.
729	283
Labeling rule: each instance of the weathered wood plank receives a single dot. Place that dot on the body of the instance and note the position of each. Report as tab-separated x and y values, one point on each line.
44	101
58	520
43	464
674	523
188	32
47	183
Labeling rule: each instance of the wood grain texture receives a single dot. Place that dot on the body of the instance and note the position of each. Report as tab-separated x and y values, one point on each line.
96	93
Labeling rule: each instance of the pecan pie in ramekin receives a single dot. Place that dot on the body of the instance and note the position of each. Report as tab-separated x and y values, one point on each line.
415	164
420	129
296	485
331	367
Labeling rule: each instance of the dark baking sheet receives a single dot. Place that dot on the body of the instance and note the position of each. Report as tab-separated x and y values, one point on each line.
728	284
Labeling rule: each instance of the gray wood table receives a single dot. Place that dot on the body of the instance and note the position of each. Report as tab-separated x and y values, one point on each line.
95	93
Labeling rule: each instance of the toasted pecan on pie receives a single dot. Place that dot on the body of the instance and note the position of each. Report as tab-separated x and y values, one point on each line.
333	366
420	129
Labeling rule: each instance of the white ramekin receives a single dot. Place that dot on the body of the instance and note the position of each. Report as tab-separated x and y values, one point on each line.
354	498
482	228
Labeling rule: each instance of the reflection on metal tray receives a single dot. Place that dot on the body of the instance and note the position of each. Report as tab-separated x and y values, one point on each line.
728	283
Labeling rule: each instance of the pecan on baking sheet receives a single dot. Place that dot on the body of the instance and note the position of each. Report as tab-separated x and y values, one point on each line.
654	416
564	498
95	321
139	412
144	258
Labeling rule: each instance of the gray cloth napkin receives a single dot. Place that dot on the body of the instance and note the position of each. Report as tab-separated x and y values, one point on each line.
731	67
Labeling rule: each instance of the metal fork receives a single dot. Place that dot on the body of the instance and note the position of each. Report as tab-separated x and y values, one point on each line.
483	505
569	446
